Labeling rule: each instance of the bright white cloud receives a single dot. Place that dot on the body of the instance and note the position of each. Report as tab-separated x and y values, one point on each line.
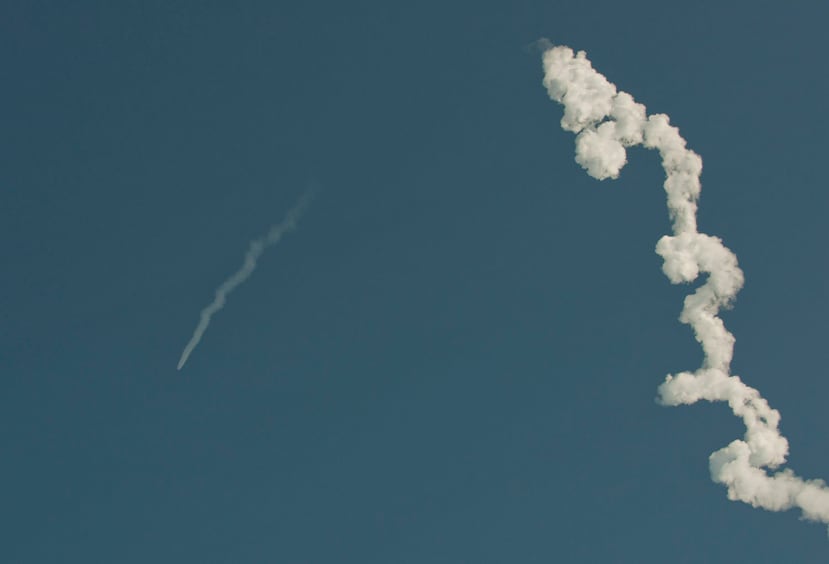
605	122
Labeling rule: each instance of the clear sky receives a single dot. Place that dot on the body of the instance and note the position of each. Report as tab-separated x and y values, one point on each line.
454	357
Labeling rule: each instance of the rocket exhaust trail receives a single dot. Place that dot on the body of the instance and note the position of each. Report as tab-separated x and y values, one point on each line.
255	250
605	122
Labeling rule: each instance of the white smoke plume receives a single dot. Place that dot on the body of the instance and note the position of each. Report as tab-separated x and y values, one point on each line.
607	121
255	250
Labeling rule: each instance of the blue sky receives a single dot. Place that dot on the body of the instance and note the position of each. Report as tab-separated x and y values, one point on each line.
454	358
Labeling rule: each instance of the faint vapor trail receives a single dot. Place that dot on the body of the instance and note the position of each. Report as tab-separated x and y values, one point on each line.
255	250
607	121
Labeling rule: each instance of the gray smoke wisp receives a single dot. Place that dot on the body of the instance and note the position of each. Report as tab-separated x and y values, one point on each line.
606	122
255	250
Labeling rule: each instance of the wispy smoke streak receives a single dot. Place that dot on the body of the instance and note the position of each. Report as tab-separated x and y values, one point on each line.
607	121
255	250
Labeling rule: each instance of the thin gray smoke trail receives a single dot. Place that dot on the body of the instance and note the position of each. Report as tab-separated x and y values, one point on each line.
607	121
255	250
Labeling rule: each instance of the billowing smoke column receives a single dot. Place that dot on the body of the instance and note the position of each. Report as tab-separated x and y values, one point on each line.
255	250
607	121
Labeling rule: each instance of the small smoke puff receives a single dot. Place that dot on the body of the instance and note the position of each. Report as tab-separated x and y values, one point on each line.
586	95
629	117
679	263
599	152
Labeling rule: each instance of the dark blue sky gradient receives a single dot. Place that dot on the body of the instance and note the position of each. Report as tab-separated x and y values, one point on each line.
454	358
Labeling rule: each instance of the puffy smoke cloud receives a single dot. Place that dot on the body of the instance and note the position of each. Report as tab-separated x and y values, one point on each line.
606	122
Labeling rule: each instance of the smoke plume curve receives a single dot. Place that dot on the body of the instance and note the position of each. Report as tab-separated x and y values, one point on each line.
255	250
606	122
